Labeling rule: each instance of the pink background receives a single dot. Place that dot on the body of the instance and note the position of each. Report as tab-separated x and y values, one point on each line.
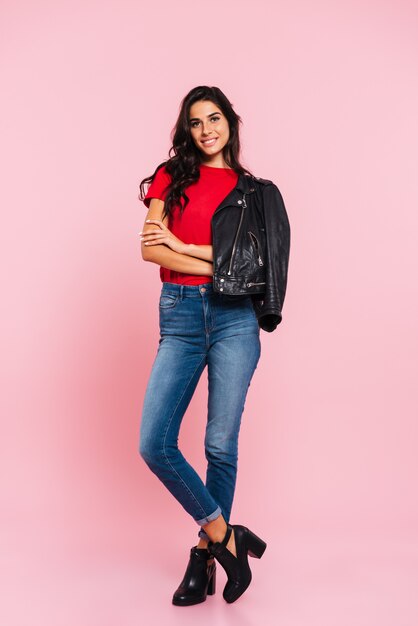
328	463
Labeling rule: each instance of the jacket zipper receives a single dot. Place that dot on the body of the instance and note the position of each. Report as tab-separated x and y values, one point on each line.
252	284
244	206
257	248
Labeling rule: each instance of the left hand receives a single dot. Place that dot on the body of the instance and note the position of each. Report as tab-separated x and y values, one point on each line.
162	235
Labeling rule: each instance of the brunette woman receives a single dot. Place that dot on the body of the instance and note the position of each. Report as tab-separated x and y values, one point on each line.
199	327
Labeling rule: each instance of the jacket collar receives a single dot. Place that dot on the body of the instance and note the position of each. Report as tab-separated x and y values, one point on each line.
245	185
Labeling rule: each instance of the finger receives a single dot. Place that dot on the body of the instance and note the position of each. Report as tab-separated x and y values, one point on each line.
153	235
151	243
154	239
162	225
149	235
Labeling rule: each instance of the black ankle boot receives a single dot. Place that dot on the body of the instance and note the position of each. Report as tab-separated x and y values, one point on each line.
236	567
199	579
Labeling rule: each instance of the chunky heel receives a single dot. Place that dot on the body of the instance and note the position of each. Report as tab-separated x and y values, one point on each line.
236	567
198	581
212	584
255	545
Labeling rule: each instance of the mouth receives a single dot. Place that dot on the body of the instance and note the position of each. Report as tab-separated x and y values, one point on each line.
209	142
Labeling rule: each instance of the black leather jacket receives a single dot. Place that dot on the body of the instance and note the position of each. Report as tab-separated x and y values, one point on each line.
251	245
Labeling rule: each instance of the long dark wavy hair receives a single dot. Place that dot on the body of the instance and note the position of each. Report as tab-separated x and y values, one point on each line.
183	165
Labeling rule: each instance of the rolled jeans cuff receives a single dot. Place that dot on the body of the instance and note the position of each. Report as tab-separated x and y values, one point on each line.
210	518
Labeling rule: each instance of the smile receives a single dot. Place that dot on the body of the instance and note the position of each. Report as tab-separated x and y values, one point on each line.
209	142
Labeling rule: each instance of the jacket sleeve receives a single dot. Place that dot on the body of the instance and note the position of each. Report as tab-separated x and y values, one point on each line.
277	229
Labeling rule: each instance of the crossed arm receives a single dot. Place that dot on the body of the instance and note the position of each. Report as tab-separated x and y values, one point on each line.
159	245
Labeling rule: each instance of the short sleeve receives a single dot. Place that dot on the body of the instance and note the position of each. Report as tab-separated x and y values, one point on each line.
157	189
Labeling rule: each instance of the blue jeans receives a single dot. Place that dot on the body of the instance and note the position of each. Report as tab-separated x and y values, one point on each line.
199	327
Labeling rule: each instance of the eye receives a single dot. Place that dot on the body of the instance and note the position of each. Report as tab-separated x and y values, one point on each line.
193	124
215	118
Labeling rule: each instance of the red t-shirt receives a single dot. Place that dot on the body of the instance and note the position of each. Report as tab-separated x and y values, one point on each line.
194	226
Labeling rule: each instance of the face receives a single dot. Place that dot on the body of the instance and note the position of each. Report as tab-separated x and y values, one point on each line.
209	129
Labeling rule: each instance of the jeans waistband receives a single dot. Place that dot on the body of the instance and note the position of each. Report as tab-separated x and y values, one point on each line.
187	290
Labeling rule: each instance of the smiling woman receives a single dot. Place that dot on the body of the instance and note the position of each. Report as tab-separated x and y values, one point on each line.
198	327
211	130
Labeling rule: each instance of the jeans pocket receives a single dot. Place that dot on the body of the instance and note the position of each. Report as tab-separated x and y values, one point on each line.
168	300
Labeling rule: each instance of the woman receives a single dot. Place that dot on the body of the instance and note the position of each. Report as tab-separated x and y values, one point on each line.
199	327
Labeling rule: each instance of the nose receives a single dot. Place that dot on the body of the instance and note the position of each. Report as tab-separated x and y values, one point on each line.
205	128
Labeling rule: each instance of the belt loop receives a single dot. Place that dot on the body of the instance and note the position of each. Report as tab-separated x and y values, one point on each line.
181	292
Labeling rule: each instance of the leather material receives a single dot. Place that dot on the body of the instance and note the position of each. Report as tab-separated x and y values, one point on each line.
199	579
251	247
237	568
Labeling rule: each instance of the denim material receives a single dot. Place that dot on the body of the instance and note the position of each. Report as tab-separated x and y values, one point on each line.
199	327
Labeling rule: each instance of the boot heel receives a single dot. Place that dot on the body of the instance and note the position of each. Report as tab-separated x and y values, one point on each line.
255	545
212	584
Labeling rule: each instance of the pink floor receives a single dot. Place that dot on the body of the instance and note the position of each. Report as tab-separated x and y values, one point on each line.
300	581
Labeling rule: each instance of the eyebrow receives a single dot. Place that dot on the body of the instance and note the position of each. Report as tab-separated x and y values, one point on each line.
192	119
